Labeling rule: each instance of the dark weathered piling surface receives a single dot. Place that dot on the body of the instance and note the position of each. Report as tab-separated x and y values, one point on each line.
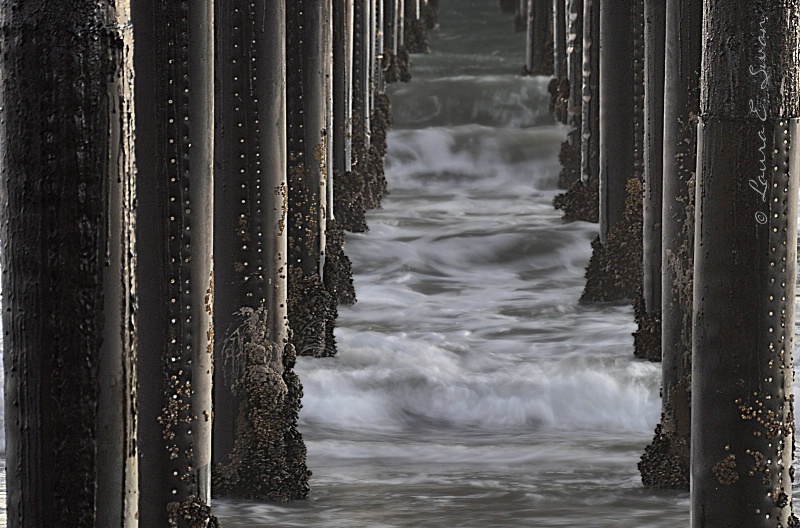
559	86
570	153
374	175
389	41
575	68
311	308
251	404
268	461
537	17
175	105
349	199
430	14
665	463
569	156
416	34
647	338
581	201
744	287
615	268
616	110
68	188
649	315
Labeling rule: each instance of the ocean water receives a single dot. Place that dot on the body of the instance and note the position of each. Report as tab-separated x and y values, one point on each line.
471	389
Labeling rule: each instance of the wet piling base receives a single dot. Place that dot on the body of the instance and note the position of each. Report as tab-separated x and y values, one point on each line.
615	269
193	513
348	205
430	14
268	461
580	202
647	338
312	311
389	66
416	36
665	462
559	99
374	175
396	67
338	271
570	158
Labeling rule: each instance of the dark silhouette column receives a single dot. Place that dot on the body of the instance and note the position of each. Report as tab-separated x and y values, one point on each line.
67	182
615	269
580	202
655	34
538	15
744	268
575	67
647	305
616	110
570	90
559	39
590	88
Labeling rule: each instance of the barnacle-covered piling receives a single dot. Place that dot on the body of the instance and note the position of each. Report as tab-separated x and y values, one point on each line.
742	445
268	460
581	201
311	308
665	463
175	102
648	336
251	231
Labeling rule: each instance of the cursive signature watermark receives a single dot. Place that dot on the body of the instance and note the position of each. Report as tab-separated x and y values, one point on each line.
760	184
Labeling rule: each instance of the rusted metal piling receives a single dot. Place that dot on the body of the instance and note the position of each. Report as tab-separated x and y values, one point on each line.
744	268
69	288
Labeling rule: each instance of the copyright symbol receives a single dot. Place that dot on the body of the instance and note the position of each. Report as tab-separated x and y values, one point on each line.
761	218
